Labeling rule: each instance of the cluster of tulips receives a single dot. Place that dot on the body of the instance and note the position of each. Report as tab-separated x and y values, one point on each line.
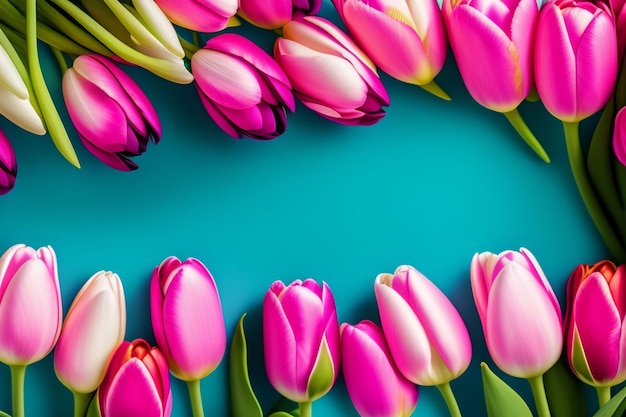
421	341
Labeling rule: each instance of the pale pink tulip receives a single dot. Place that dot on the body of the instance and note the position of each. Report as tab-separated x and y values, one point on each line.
575	57
30	304
274	14
137	383
519	312
619	136
8	164
187	317
113	117
329	73
301	339
405	38
426	334
242	88
374	384
93	328
200	15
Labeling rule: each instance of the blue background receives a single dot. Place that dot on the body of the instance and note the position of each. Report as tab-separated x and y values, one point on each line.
431	184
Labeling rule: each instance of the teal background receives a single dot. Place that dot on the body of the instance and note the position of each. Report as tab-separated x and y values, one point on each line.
430	185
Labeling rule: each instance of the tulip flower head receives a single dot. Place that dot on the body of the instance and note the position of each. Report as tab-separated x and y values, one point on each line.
595	334
426	335
374	384
274	14
575	57
30	304
136	382
94	326
8	164
242	88
113	117
329	73
187	317
200	15
519	312
301	339
619	136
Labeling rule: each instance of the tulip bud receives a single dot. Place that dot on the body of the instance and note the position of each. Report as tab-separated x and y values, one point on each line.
329	73
136	383
374	384
8	164
619	136
274	14
113	117
511	292
426	335
94	326
301	339
30	304
200	15
242	87
187	317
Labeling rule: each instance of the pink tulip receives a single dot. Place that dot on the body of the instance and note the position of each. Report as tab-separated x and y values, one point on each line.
595	334
274	14
426	335
619	136
374	384
242	88
301	339
30	304
200	15
136	383
405	38
520	313
329	73
187	317
93	328
113	117
8	164
575	57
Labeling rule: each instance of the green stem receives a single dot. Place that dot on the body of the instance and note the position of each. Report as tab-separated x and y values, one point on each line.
306	409
81	403
188	47
516	120
58	55
587	192
18	375
434	89
195	397
539	395
448	396
196	39
604	395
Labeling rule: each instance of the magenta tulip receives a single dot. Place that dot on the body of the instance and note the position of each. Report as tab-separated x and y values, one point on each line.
136	383
200	15
113	117
374	384
274	14
30	304
426	335
187	317
301	339
619	135
329	73
575	57
8	164
405	38
93	328
242	88
511	292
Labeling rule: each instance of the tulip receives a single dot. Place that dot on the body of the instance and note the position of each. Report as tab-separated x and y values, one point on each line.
94	326
8	164
595	322
301	340
274	14
329	73
200	15
136	382
619	136
113	117
405	38
242	87
374	384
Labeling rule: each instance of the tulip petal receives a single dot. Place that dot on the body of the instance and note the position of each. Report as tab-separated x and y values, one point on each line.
216	114
523	25
132	393
200	15
114	160
21	112
266	16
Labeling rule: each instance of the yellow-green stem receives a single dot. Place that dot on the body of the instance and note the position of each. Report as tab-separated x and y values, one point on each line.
306	409
188	47
516	120
58	55
81	403
18	376
434	89
448	396
604	395
195	397
539	395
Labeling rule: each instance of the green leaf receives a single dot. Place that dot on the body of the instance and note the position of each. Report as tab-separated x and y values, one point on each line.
286	405
501	400
614	407
3	414
565	392
243	401
94	407
322	378
280	414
